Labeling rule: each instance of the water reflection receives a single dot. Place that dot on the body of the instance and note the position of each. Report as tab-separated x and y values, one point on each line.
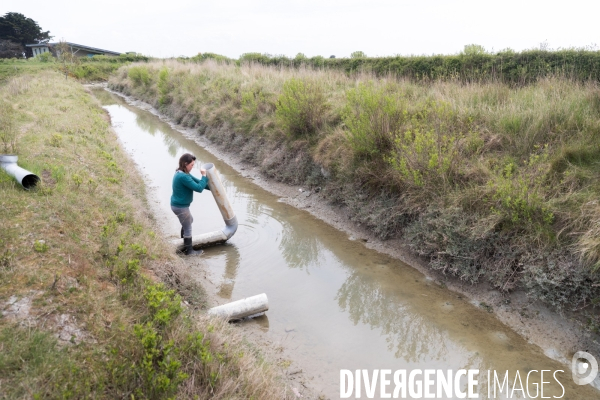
232	263
425	333
299	250
409	335
147	122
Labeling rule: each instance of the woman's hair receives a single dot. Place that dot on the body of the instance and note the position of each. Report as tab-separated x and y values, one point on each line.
184	160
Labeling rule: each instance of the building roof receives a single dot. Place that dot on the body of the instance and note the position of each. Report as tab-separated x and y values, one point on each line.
80	46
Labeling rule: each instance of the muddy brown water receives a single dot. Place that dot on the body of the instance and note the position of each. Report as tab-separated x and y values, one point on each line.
337	304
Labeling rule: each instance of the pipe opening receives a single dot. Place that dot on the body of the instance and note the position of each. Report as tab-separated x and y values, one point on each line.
27	179
208	166
30	181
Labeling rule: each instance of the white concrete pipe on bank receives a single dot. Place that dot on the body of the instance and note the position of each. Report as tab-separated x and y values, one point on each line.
26	178
231	223
242	308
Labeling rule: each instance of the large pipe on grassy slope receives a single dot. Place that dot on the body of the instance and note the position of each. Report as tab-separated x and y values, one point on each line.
26	178
231	223
242	308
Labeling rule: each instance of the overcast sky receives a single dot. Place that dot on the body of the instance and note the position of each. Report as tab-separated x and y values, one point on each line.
169	28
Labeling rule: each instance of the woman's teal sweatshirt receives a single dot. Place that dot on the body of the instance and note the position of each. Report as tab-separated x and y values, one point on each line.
184	186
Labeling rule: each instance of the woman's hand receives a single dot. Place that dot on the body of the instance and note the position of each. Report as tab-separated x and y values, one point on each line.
203	171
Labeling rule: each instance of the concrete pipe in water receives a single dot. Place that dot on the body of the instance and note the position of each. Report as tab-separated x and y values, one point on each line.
242	308
26	178
231	223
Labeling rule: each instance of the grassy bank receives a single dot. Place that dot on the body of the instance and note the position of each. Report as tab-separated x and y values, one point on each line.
87	69
91	297
488	181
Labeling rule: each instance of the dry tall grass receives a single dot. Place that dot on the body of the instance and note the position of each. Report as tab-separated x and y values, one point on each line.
489	181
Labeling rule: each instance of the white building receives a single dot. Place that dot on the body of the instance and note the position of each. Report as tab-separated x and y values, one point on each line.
77	50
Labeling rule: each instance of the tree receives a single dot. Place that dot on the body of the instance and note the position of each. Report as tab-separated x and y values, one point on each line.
473	49
9	49
64	53
17	28
358	54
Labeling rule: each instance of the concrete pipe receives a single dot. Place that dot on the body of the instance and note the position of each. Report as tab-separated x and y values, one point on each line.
27	179
231	223
242	308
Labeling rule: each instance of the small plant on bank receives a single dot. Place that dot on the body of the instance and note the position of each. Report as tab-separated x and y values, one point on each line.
77	180
56	140
40	246
519	194
160	368
92	185
6	260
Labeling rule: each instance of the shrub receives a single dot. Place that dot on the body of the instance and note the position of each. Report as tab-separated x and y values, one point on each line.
139	75
256	103
160	368
93	71
45	57
372	116
163	86
254	57
302	108
473	49
164	305
518	196
426	149
210	56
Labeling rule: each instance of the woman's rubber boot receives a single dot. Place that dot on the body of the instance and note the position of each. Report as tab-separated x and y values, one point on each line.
189	249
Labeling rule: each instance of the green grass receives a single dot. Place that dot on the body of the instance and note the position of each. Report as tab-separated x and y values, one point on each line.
34	365
13	67
97	68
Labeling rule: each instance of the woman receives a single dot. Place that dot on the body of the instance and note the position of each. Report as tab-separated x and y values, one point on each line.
184	186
